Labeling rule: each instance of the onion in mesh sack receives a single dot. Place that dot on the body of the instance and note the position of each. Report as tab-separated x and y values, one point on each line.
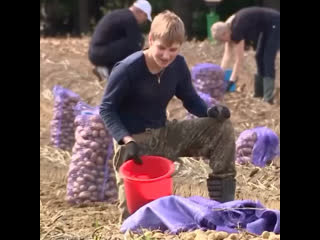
89	171
258	146
244	146
208	78
62	124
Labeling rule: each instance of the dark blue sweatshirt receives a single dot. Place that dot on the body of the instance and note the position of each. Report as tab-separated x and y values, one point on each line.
116	36
134	99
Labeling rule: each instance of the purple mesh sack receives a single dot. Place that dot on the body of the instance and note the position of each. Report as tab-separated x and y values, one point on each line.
209	78
259	146
91	176
62	124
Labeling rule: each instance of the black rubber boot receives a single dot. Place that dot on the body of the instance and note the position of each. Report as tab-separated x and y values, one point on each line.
268	86
258	86
221	189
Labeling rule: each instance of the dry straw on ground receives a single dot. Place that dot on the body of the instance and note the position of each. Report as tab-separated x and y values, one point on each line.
65	62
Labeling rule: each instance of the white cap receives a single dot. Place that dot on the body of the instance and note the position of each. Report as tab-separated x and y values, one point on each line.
145	7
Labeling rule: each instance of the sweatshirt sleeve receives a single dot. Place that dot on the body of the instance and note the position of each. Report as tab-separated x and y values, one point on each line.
188	95
117	88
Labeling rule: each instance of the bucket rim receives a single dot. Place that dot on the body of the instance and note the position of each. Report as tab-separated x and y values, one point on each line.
133	179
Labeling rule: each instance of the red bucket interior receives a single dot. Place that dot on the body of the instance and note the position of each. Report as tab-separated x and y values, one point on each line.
153	168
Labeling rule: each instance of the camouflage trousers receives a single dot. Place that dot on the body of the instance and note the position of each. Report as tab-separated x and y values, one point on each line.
200	137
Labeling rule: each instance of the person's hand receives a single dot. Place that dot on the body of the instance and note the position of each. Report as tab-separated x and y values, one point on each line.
219	111
231	84
132	152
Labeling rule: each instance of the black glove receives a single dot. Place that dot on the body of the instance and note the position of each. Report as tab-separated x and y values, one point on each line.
219	111
132	152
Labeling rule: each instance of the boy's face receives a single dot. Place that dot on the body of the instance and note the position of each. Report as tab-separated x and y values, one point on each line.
162	54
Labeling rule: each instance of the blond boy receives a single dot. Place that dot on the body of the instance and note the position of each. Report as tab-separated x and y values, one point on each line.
134	105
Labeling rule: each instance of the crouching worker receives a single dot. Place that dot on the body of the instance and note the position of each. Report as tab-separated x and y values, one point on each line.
117	36
134	105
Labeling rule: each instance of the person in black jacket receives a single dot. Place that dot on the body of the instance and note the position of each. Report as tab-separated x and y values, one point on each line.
118	35
260	27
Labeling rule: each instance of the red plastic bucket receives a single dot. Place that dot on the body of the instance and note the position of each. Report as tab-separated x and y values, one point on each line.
147	182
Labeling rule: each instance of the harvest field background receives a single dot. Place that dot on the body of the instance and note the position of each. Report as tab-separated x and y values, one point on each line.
64	62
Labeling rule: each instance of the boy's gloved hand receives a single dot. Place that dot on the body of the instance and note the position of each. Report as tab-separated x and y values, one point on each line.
219	111
132	152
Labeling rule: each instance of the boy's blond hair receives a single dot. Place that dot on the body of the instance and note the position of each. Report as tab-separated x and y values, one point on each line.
167	27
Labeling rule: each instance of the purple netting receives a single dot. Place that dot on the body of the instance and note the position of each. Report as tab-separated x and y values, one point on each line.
259	146
209	78
82	108
176	214
91	176
266	147
62	124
